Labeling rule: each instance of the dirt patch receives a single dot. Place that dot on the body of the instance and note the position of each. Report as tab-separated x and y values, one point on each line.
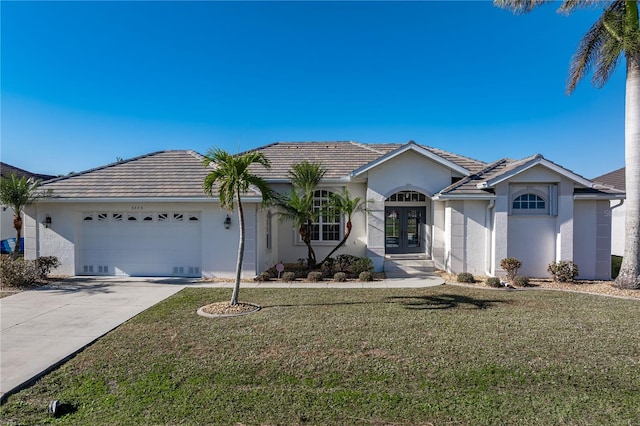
225	309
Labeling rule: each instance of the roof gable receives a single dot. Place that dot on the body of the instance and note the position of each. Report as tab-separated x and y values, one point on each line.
410	146
518	167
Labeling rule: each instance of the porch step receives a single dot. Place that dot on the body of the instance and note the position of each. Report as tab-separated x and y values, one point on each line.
405	266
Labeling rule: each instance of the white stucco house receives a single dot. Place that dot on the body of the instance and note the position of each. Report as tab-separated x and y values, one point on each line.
616	180
149	216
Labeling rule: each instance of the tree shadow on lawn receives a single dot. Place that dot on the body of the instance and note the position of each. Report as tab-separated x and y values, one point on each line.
443	301
447	301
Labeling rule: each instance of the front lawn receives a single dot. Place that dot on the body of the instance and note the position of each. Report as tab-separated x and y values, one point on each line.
442	355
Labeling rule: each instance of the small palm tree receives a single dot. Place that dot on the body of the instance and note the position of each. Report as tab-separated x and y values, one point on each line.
18	193
342	203
231	177
298	206
615	33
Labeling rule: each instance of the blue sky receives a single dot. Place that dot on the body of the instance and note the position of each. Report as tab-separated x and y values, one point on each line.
84	83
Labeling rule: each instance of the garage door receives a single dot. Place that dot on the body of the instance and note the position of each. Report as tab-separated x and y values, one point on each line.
141	244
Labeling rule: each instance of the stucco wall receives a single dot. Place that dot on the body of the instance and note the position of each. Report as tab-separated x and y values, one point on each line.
6	223
617	228
218	245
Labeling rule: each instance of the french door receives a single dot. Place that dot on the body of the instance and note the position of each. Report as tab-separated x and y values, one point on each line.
404	228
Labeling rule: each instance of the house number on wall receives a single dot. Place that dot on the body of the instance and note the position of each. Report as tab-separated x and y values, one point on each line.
137	208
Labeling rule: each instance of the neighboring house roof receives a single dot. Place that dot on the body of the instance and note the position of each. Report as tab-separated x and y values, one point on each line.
7	169
341	158
163	174
615	179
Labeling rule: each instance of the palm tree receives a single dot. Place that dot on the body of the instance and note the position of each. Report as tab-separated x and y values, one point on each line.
617	31
18	193
231	178
342	203
298	205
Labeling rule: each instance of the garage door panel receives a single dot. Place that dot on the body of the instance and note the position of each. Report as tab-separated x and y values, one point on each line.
143	248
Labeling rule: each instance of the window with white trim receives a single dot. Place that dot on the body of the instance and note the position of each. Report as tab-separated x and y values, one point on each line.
529	203
328	226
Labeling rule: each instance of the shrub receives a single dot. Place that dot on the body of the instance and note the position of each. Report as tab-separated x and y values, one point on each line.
362	264
466	277
366	276
511	266
343	262
288	276
564	271
263	276
327	267
521	281
314	276
616	262
340	277
18	272
45	264
494	282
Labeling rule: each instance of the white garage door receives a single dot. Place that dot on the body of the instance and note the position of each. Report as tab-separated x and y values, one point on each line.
141	244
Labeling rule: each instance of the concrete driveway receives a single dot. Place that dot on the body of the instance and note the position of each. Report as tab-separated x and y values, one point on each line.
42	328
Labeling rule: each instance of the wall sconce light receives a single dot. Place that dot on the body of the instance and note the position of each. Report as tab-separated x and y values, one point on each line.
47	222
227	222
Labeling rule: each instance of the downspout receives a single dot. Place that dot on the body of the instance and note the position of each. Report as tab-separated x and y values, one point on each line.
488	229
617	205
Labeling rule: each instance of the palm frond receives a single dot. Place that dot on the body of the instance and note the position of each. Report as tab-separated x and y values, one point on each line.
519	7
306	175
600	48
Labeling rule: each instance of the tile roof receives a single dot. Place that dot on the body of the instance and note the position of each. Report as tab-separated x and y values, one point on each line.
615	179
6	169
172	174
339	158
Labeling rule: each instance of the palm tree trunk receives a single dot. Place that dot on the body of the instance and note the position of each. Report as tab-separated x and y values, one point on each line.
629	276
340	244
236	288
17	225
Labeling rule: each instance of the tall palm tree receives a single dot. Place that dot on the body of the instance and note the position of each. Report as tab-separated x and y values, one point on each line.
298	205
615	33
342	203
18	193
231	178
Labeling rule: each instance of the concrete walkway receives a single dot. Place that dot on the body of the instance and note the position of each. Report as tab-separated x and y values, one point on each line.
42	328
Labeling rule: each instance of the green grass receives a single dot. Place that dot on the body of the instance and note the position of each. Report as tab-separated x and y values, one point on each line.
444	355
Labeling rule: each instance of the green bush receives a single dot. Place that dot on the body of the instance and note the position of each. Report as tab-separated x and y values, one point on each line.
340	277
343	262
466	277
365	276
45	264
494	282
18	272
564	271
288	276
616	262
263	276
521	281
511	266
314	276
362	264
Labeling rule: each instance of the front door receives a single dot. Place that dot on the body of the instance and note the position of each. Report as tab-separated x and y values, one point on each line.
404	228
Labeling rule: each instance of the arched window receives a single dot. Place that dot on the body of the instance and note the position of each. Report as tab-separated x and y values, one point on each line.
529	203
327	228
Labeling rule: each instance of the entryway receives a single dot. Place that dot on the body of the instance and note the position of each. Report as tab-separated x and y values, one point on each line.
404	229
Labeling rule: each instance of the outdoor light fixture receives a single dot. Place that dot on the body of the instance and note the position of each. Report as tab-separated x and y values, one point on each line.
227	222
47	221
